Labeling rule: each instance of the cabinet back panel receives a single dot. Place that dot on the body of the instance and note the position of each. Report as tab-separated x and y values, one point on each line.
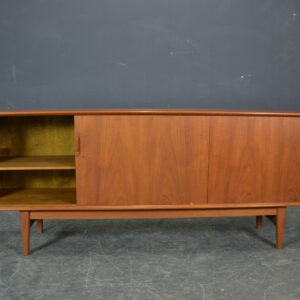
37	179
36	136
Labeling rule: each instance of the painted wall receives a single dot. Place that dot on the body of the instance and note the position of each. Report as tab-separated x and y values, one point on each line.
233	54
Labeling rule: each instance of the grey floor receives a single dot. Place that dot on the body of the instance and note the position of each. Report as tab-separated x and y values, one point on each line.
225	258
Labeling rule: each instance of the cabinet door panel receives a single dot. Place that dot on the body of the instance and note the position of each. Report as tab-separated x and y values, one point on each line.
142	160
254	160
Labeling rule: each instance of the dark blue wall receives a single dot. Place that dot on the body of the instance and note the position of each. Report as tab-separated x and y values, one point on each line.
234	54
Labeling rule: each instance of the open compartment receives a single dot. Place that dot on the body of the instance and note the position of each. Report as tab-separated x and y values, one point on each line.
37	161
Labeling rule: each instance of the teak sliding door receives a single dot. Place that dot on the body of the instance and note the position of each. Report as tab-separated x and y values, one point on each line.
130	160
254	160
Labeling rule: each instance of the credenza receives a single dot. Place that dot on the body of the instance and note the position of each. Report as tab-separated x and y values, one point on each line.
123	164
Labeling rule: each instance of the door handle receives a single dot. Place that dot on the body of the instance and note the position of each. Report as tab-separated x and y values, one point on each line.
77	145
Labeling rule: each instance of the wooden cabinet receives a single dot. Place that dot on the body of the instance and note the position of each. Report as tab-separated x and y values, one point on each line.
142	160
110	164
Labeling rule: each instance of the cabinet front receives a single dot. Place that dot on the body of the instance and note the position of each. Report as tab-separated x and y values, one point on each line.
254	160
127	160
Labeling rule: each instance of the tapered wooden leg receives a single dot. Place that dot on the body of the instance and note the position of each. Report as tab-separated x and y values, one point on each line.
259	222
280	223
25	231
39	225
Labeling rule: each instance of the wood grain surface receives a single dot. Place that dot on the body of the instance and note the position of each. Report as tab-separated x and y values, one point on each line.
254	159
142	160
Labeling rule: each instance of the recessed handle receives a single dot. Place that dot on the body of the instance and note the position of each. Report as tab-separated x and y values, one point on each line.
77	145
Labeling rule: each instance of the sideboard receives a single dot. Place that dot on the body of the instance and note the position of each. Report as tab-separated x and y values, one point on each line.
122	164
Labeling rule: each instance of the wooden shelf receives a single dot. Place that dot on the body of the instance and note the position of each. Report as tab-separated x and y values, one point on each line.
39	197
37	163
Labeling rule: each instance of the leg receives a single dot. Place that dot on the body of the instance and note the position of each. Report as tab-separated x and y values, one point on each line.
25	231
39	225
259	222
280	222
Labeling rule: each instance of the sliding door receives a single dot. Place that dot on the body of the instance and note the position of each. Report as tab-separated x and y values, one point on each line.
128	160
254	160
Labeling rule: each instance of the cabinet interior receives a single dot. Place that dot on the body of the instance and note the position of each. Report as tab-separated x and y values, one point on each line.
37	160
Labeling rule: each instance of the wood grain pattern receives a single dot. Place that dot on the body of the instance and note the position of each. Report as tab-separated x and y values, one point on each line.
37	163
37	197
142	160
254	160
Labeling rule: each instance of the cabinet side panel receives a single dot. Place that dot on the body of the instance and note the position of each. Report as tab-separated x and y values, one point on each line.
254	160
142	160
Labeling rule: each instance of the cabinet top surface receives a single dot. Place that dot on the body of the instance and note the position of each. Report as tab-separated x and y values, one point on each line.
149	112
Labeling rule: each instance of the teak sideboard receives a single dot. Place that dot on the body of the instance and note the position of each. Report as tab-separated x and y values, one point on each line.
121	164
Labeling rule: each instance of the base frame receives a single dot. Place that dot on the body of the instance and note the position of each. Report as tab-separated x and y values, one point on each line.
27	217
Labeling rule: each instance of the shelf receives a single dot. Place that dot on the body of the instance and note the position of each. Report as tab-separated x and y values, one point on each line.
38	197
37	163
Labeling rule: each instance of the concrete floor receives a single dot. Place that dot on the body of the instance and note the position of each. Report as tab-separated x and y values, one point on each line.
225	258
